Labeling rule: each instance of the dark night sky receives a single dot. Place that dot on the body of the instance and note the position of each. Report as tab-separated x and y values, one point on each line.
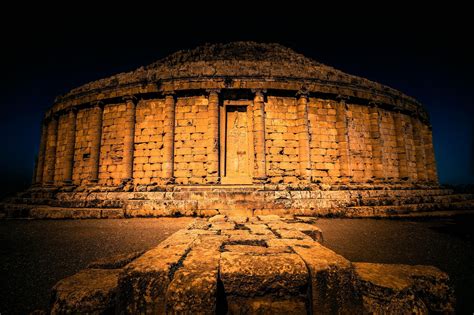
424	55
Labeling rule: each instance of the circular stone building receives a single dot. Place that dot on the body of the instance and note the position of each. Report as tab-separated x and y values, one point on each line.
243	125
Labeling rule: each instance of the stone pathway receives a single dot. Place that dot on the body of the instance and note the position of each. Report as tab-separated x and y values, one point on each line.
249	265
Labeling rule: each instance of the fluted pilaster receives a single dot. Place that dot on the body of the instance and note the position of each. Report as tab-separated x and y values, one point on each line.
129	138
70	144
213	142
96	124
303	137
259	135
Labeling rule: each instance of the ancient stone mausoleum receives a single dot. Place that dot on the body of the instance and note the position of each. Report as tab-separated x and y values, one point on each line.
235	125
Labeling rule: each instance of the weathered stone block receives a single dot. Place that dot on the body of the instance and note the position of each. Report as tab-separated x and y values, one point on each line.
404	289
91	291
144	282
272	283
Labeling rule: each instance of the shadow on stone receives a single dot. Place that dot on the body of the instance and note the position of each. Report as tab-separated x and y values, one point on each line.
221	300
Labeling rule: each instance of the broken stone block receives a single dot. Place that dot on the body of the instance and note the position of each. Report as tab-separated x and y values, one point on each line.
274	283
332	279
259	229
257	250
218	218
403	289
91	291
238	219
222	226
199	224
144	282
193	289
268	218
115	262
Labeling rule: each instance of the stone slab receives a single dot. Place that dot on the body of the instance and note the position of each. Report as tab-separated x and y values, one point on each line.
91	291
115	262
333	281
388	288
144	282
193	289
279	279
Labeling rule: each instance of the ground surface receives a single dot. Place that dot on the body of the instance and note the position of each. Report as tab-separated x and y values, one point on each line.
36	254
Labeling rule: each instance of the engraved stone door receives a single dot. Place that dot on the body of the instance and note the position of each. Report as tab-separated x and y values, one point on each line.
237	169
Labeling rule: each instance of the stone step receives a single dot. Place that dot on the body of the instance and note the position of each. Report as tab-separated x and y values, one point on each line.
381	193
47	212
433	214
391	200
226	187
386	211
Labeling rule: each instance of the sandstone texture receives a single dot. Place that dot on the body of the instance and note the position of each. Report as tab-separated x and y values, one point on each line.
244	127
200	270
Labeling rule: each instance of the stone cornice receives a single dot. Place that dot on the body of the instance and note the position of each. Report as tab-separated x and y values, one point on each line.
351	93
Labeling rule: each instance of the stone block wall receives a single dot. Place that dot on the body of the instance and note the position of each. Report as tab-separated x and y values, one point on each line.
111	149
325	156
61	148
305	138
360	143
281	140
407	153
148	155
388	143
191	140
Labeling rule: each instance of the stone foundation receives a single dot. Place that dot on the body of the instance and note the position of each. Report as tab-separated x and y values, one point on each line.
248	200
241	265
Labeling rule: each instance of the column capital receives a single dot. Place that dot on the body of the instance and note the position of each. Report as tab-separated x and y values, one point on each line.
54	116
303	93
98	104
169	93
342	98
130	99
212	91
259	92
71	110
374	104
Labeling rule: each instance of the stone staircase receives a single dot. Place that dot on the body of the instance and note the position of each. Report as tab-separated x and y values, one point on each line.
442	202
207	201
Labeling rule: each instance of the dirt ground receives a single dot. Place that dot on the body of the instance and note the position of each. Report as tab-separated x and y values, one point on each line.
36	254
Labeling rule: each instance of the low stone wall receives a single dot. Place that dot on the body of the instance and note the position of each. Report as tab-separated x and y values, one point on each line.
241	265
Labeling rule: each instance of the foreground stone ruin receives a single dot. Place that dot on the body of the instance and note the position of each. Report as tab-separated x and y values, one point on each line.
250	265
248	126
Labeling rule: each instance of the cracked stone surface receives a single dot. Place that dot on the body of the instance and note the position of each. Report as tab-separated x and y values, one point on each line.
256	265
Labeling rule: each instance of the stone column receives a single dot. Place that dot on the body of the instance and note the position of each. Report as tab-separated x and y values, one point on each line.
213	144
41	153
377	143
400	134
419	149
129	138
96	124
343	141
303	137
259	135
431	173
50	154
168	138
70	144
